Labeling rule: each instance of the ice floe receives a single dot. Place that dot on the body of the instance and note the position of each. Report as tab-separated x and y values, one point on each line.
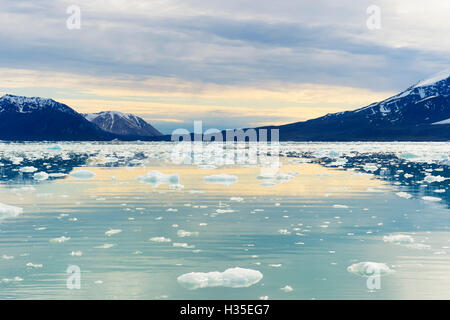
7	211
60	239
160	239
156	178
82	175
231	278
112	232
367	269
40	176
223	179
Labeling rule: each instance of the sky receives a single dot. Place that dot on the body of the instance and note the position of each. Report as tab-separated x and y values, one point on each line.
230	64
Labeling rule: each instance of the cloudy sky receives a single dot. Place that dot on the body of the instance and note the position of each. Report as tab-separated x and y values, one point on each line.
234	63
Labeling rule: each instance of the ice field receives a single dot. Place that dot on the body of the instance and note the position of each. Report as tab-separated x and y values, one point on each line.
139	226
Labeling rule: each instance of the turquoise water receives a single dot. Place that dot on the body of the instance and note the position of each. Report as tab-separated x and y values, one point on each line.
301	233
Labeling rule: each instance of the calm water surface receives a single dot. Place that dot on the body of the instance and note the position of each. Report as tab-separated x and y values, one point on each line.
303	231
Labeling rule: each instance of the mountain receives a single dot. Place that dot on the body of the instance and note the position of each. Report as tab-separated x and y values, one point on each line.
419	113
122	124
23	118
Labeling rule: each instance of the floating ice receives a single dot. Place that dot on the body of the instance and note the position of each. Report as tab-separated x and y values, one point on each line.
404	195
433	199
76	253
340	206
33	265
54	147
105	246
155	178
113	232
40	176
57	175
367	269
431	179
183	245
183	233
287	289
7	211
160	239
230	278
82	175
237	199
399	239
224	179
28	169
60	239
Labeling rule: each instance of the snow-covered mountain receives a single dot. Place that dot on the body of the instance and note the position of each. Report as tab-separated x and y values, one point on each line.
24	118
122	123
421	112
18	104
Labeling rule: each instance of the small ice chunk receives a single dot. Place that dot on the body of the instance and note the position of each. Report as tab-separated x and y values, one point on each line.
60	239
155	178
433	199
7	211
40	176
28	169
340	206
160	239
111	232
183	233
82	175
287	289
33	265
183	245
230	278
404	195
398	239
367	269
223	179
105	246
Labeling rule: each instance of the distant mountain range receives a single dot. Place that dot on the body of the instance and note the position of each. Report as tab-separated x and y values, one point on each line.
125	124
37	119
420	113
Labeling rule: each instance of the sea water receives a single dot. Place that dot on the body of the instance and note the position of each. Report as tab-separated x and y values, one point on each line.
138	226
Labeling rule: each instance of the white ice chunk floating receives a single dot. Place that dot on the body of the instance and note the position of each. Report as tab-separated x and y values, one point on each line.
7	211
40	176
34	265
105	246
367	269
404	195
184	233
287	289
223	179
60	239
431	179
111	232
398	239
28	169
230	278
160	239
155	178
432	199
82	175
